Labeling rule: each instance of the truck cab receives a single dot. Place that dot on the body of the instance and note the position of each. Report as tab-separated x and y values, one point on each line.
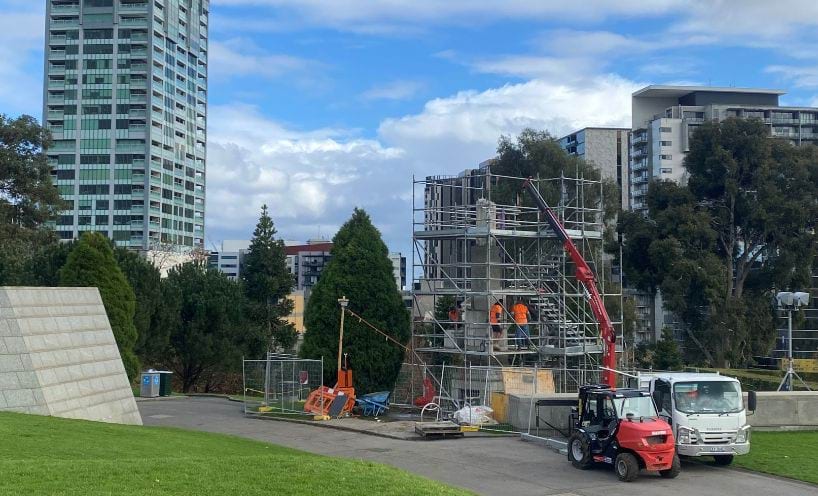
705	410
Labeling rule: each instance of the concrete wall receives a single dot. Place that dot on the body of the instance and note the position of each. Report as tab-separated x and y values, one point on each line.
795	410
785	410
58	356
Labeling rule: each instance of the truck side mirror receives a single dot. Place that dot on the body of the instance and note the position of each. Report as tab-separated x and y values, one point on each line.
751	401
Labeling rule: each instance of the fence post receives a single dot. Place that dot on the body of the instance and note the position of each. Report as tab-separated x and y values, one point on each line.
244	385
267	380
531	403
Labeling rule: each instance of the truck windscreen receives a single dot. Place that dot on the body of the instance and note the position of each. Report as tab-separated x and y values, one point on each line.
708	397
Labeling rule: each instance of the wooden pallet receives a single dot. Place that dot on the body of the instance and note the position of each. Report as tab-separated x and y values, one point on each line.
438	429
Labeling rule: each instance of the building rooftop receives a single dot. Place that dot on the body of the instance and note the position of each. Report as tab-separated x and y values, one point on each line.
663	91
603	128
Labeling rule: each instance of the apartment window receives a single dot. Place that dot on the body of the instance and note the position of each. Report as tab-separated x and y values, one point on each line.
99	34
666	157
667	143
665	129
667	171
122	204
102	204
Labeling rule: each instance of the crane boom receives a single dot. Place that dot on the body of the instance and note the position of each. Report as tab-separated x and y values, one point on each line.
586	277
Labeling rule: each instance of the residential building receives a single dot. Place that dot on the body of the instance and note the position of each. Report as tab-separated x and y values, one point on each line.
230	257
664	119
398	269
296	317
604	147
306	262
125	97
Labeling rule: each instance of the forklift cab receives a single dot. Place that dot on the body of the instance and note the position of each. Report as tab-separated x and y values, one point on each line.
596	414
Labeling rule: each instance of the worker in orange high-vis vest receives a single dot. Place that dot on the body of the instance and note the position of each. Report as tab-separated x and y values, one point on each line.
521	314
495	317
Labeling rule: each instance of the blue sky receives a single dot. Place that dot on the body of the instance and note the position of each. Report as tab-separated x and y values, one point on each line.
318	106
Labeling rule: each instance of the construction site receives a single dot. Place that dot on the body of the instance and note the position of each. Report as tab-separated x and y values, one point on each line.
498	309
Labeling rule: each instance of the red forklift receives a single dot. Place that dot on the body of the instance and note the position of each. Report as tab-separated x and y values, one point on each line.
619	427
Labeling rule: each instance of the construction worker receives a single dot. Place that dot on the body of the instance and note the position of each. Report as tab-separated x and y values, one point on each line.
521	314
495	317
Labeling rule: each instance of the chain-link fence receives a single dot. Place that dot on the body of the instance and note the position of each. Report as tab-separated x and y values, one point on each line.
280	384
529	400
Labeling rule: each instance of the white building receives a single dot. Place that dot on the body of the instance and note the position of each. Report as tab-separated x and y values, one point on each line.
604	147
398	269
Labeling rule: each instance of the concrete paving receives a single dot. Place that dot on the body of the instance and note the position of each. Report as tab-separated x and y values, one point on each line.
501	466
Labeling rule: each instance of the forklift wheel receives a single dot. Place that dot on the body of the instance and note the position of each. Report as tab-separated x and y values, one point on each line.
627	467
674	469
579	451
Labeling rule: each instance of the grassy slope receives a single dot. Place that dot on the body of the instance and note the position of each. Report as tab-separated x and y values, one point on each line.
788	454
43	455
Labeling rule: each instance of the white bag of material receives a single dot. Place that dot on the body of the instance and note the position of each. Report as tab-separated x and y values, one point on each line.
474	415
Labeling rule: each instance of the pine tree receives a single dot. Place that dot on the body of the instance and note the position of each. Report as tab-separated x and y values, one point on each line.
267	282
144	279
359	269
666	355
92	264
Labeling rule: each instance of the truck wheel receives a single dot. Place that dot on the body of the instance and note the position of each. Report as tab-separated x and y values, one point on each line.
579	451
723	460
674	470
627	467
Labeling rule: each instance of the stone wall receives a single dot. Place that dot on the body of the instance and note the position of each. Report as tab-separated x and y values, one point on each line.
58	356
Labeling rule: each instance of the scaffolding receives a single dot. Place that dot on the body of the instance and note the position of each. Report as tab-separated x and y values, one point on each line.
477	239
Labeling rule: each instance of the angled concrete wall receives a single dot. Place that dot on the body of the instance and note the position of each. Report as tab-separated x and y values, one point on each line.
58	356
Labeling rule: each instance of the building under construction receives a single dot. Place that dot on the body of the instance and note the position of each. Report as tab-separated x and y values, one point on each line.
478	241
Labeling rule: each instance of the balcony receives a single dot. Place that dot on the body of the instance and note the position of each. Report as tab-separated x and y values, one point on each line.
66	9
58	38
56	69
55	114
56	54
133	7
139	67
133	21
73	21
138	98
59	83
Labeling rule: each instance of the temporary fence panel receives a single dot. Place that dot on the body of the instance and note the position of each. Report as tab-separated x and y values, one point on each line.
280	385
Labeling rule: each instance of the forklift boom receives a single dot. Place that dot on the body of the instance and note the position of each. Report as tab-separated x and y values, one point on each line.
586	277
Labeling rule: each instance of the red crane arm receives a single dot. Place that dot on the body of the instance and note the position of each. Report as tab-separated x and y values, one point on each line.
586	277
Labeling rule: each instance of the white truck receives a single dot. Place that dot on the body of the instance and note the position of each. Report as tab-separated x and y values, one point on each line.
705	410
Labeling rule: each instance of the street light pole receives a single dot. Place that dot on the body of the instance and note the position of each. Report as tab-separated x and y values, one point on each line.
343	301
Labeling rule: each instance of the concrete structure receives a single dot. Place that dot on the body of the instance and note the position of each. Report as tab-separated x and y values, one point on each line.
58	356
133	165
606	148
663	121
398	269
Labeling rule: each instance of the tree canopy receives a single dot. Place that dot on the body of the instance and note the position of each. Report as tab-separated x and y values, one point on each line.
203	317
716	247
359	269
144	279
267	282
91	263
28	197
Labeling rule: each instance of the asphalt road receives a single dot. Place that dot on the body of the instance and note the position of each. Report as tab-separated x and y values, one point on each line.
491	466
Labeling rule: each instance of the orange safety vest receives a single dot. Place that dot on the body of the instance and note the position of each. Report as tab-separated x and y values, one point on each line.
520	313
494	313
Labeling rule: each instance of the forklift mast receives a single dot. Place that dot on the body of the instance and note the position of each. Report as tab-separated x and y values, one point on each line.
586	277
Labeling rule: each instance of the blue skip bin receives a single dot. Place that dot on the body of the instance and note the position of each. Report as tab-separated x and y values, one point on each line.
373	404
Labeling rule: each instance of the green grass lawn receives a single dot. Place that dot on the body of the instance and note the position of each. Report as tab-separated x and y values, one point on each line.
788	454
45	455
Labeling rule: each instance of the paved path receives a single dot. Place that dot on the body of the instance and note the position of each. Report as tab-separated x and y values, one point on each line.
501	466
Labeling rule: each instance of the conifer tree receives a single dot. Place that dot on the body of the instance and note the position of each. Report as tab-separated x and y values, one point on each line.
359	269
267	282
91	263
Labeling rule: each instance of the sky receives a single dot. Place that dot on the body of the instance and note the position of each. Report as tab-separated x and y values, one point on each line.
319	106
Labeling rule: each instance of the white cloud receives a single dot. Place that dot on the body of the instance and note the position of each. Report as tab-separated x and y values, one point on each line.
311	180
394	90
241	57
308	179
801	77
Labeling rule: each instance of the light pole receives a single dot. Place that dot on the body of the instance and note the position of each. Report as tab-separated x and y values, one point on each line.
791	301
343	302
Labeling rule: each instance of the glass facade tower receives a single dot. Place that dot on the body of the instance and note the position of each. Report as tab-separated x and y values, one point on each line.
125	97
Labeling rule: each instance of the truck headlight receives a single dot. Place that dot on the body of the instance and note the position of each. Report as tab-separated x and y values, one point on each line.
684	435
743	434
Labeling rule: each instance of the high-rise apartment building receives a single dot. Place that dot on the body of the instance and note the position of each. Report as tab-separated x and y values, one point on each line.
125	96
604	147
664	119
